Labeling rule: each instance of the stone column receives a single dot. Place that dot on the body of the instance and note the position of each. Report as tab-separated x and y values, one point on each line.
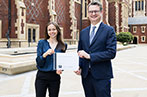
0	29
51	7
117	17
73	19
124	16
21	20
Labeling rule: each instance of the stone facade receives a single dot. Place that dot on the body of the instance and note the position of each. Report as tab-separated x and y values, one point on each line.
138	21
118	15
140	36
29	18
115	13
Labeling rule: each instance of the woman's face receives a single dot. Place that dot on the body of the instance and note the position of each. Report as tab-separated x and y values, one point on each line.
52	31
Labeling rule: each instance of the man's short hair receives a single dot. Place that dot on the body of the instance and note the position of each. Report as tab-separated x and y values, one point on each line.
95	3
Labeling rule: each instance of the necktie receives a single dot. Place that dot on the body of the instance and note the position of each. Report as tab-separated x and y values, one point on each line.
92	34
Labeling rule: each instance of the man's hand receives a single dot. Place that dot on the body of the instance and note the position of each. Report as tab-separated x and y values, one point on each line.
83	54
78	72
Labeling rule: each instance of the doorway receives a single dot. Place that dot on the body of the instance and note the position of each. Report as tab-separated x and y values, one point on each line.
135	40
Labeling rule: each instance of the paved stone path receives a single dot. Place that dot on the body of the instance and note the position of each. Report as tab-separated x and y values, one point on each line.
130	71
130	78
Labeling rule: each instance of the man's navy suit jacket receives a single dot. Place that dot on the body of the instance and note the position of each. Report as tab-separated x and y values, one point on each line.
101	50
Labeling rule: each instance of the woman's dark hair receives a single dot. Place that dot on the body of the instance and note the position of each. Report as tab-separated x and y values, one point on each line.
60	45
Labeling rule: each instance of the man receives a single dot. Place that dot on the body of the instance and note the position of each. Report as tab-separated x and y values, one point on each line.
96	51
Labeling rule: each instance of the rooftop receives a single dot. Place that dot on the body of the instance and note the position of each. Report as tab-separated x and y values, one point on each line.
137	20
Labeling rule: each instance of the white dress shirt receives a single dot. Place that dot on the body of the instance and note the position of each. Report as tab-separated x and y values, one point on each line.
97	26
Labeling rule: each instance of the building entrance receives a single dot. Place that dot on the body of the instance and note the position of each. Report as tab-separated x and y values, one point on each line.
135	40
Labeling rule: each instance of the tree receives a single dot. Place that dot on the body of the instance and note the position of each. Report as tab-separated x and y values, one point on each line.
124	37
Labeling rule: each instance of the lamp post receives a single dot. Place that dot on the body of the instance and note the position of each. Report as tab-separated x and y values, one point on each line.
9	24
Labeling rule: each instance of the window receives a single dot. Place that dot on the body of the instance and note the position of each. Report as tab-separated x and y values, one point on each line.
31	35
143	38
142	5
139	5
34	35
134	29
84	9
135	5
142	29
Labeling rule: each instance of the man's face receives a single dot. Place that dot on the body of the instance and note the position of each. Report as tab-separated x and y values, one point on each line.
94	13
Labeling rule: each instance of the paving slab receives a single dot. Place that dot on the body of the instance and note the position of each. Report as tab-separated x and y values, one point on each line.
130	78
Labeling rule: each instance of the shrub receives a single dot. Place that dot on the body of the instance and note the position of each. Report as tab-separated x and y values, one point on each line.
124	37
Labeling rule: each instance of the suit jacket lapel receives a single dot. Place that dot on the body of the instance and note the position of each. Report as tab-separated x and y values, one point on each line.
100	29
87	36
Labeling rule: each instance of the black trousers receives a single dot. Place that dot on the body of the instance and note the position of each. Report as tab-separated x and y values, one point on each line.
96	87
47	81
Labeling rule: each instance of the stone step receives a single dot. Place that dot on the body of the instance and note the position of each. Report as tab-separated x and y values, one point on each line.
18	67
18	60
13	64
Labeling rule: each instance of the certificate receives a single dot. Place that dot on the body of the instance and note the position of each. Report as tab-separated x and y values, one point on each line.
66	61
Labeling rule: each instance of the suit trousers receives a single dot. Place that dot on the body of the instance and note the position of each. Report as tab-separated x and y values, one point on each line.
96	87
47	81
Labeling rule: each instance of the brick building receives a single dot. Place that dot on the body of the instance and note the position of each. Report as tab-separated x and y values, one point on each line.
29	17
138	21
115	13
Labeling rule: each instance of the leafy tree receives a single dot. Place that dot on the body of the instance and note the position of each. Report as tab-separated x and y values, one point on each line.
124	37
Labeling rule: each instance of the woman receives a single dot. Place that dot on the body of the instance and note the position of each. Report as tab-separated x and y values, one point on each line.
47	77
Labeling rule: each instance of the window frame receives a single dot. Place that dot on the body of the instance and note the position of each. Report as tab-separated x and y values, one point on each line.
134	27
37	34
85	9
143	29
139	5
142	38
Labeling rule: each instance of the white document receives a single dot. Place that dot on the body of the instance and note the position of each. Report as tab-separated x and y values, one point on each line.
67	61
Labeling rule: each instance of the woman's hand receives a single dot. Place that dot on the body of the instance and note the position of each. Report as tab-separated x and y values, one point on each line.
48	52
59	72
